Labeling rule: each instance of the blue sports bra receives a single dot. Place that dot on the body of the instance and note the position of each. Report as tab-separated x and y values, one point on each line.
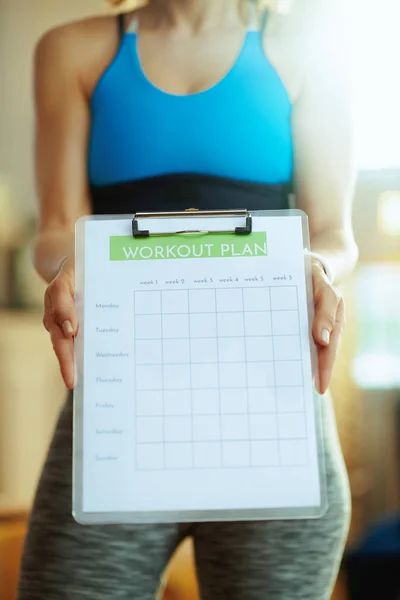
237	131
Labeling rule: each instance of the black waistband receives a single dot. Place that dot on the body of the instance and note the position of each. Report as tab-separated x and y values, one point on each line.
179	192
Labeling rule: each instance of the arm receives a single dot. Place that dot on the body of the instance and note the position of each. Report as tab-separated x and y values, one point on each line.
325	178
62	123
68	62
324	147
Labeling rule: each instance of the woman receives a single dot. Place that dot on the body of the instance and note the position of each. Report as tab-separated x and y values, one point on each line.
205	103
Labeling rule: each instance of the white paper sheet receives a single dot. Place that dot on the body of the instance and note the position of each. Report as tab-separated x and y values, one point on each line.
196	370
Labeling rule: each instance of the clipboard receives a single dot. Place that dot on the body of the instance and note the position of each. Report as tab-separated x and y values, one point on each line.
183	401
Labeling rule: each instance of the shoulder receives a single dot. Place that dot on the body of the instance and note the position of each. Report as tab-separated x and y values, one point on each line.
80	49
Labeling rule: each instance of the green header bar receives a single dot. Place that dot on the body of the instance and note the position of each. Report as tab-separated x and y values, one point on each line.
173	247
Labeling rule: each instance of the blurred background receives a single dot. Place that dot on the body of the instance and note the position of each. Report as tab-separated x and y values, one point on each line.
366	386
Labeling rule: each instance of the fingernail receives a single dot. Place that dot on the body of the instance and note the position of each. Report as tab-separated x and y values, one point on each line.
67	328
325	336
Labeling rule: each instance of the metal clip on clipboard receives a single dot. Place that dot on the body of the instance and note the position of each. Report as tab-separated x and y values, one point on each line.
245	229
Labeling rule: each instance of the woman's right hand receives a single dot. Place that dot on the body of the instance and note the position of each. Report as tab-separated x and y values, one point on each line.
60	320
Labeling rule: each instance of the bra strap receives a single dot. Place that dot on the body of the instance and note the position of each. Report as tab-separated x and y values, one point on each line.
253	16
264	20
121	26
133	27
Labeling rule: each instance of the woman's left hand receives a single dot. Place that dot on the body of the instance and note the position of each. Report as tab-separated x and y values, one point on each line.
329	323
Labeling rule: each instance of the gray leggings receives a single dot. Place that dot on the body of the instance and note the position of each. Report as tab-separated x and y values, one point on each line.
272	560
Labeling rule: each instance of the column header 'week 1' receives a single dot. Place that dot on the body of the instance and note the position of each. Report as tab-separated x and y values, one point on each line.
188	246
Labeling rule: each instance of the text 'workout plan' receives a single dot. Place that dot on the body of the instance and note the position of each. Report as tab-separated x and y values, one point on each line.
196	371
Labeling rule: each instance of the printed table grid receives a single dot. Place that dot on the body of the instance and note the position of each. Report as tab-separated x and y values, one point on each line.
218	458
222	401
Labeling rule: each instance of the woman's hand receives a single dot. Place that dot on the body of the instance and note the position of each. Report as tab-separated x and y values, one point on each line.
60	320
329	323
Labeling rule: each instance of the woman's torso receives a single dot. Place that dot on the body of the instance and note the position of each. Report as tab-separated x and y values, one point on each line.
227	142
